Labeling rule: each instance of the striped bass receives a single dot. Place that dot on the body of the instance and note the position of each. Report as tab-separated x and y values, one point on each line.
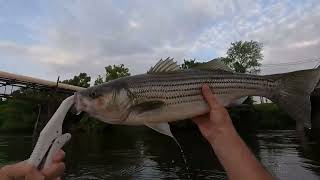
167	93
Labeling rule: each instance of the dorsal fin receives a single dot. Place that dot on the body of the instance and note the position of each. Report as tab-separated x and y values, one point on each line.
214	65
167	65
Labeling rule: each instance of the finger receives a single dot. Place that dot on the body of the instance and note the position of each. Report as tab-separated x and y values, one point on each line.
210	97
3	175
54	171
34	175
18	170
199	119
59	156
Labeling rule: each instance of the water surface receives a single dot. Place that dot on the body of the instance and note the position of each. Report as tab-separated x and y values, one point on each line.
140	153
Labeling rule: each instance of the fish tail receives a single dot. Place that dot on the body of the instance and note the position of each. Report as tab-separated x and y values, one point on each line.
293	94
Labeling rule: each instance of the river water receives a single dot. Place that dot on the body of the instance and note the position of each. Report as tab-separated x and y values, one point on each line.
140	153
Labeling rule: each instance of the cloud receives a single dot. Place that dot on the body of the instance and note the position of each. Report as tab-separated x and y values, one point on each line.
85	36
37	53
288	31
304	44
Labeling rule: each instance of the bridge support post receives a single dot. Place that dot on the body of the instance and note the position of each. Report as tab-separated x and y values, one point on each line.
46	109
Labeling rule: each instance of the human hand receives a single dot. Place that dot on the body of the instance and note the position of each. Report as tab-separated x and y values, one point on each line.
217	121
25	171
217	128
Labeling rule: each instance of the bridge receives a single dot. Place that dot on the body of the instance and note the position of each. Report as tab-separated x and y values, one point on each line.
10	82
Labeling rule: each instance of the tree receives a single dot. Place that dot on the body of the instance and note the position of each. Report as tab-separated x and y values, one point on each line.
187	64
99	80
82	80
116	71
244	56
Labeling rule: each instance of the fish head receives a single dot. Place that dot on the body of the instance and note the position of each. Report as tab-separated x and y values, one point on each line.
108	102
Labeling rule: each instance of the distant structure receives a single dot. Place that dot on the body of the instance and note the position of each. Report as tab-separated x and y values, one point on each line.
10	82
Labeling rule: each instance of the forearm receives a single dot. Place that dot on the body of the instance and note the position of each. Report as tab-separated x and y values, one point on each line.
238	161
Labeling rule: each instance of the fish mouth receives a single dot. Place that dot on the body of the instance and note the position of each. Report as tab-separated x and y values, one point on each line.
77	108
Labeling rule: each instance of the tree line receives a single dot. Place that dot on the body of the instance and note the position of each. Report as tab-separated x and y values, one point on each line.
242	57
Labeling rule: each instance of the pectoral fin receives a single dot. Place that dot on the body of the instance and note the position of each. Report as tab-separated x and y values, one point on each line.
162	128
147	106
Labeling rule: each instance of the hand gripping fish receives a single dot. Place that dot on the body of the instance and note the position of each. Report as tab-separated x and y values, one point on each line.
51	138
167	93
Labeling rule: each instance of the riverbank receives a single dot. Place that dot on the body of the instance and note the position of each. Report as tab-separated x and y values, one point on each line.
17	116
261	117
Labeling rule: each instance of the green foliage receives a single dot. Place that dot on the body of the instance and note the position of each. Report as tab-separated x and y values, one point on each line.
260	116
17	115
244	56
187	64
99	80
90	124
116	71
20	112
271	117
82	80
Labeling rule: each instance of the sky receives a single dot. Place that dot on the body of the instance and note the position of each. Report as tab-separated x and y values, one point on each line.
47	39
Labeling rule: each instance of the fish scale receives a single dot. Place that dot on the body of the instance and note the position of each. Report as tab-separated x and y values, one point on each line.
153	82
179	88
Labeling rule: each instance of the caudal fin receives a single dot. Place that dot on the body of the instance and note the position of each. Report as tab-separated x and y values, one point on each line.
294	94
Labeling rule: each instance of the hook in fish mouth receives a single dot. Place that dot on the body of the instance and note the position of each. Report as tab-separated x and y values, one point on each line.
75	111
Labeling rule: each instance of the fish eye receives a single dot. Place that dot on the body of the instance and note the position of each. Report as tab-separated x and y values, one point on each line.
93	94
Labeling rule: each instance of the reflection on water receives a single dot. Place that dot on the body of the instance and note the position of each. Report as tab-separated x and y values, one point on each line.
288	157
140	153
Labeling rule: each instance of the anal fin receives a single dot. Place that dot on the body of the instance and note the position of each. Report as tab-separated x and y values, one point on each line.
162	128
